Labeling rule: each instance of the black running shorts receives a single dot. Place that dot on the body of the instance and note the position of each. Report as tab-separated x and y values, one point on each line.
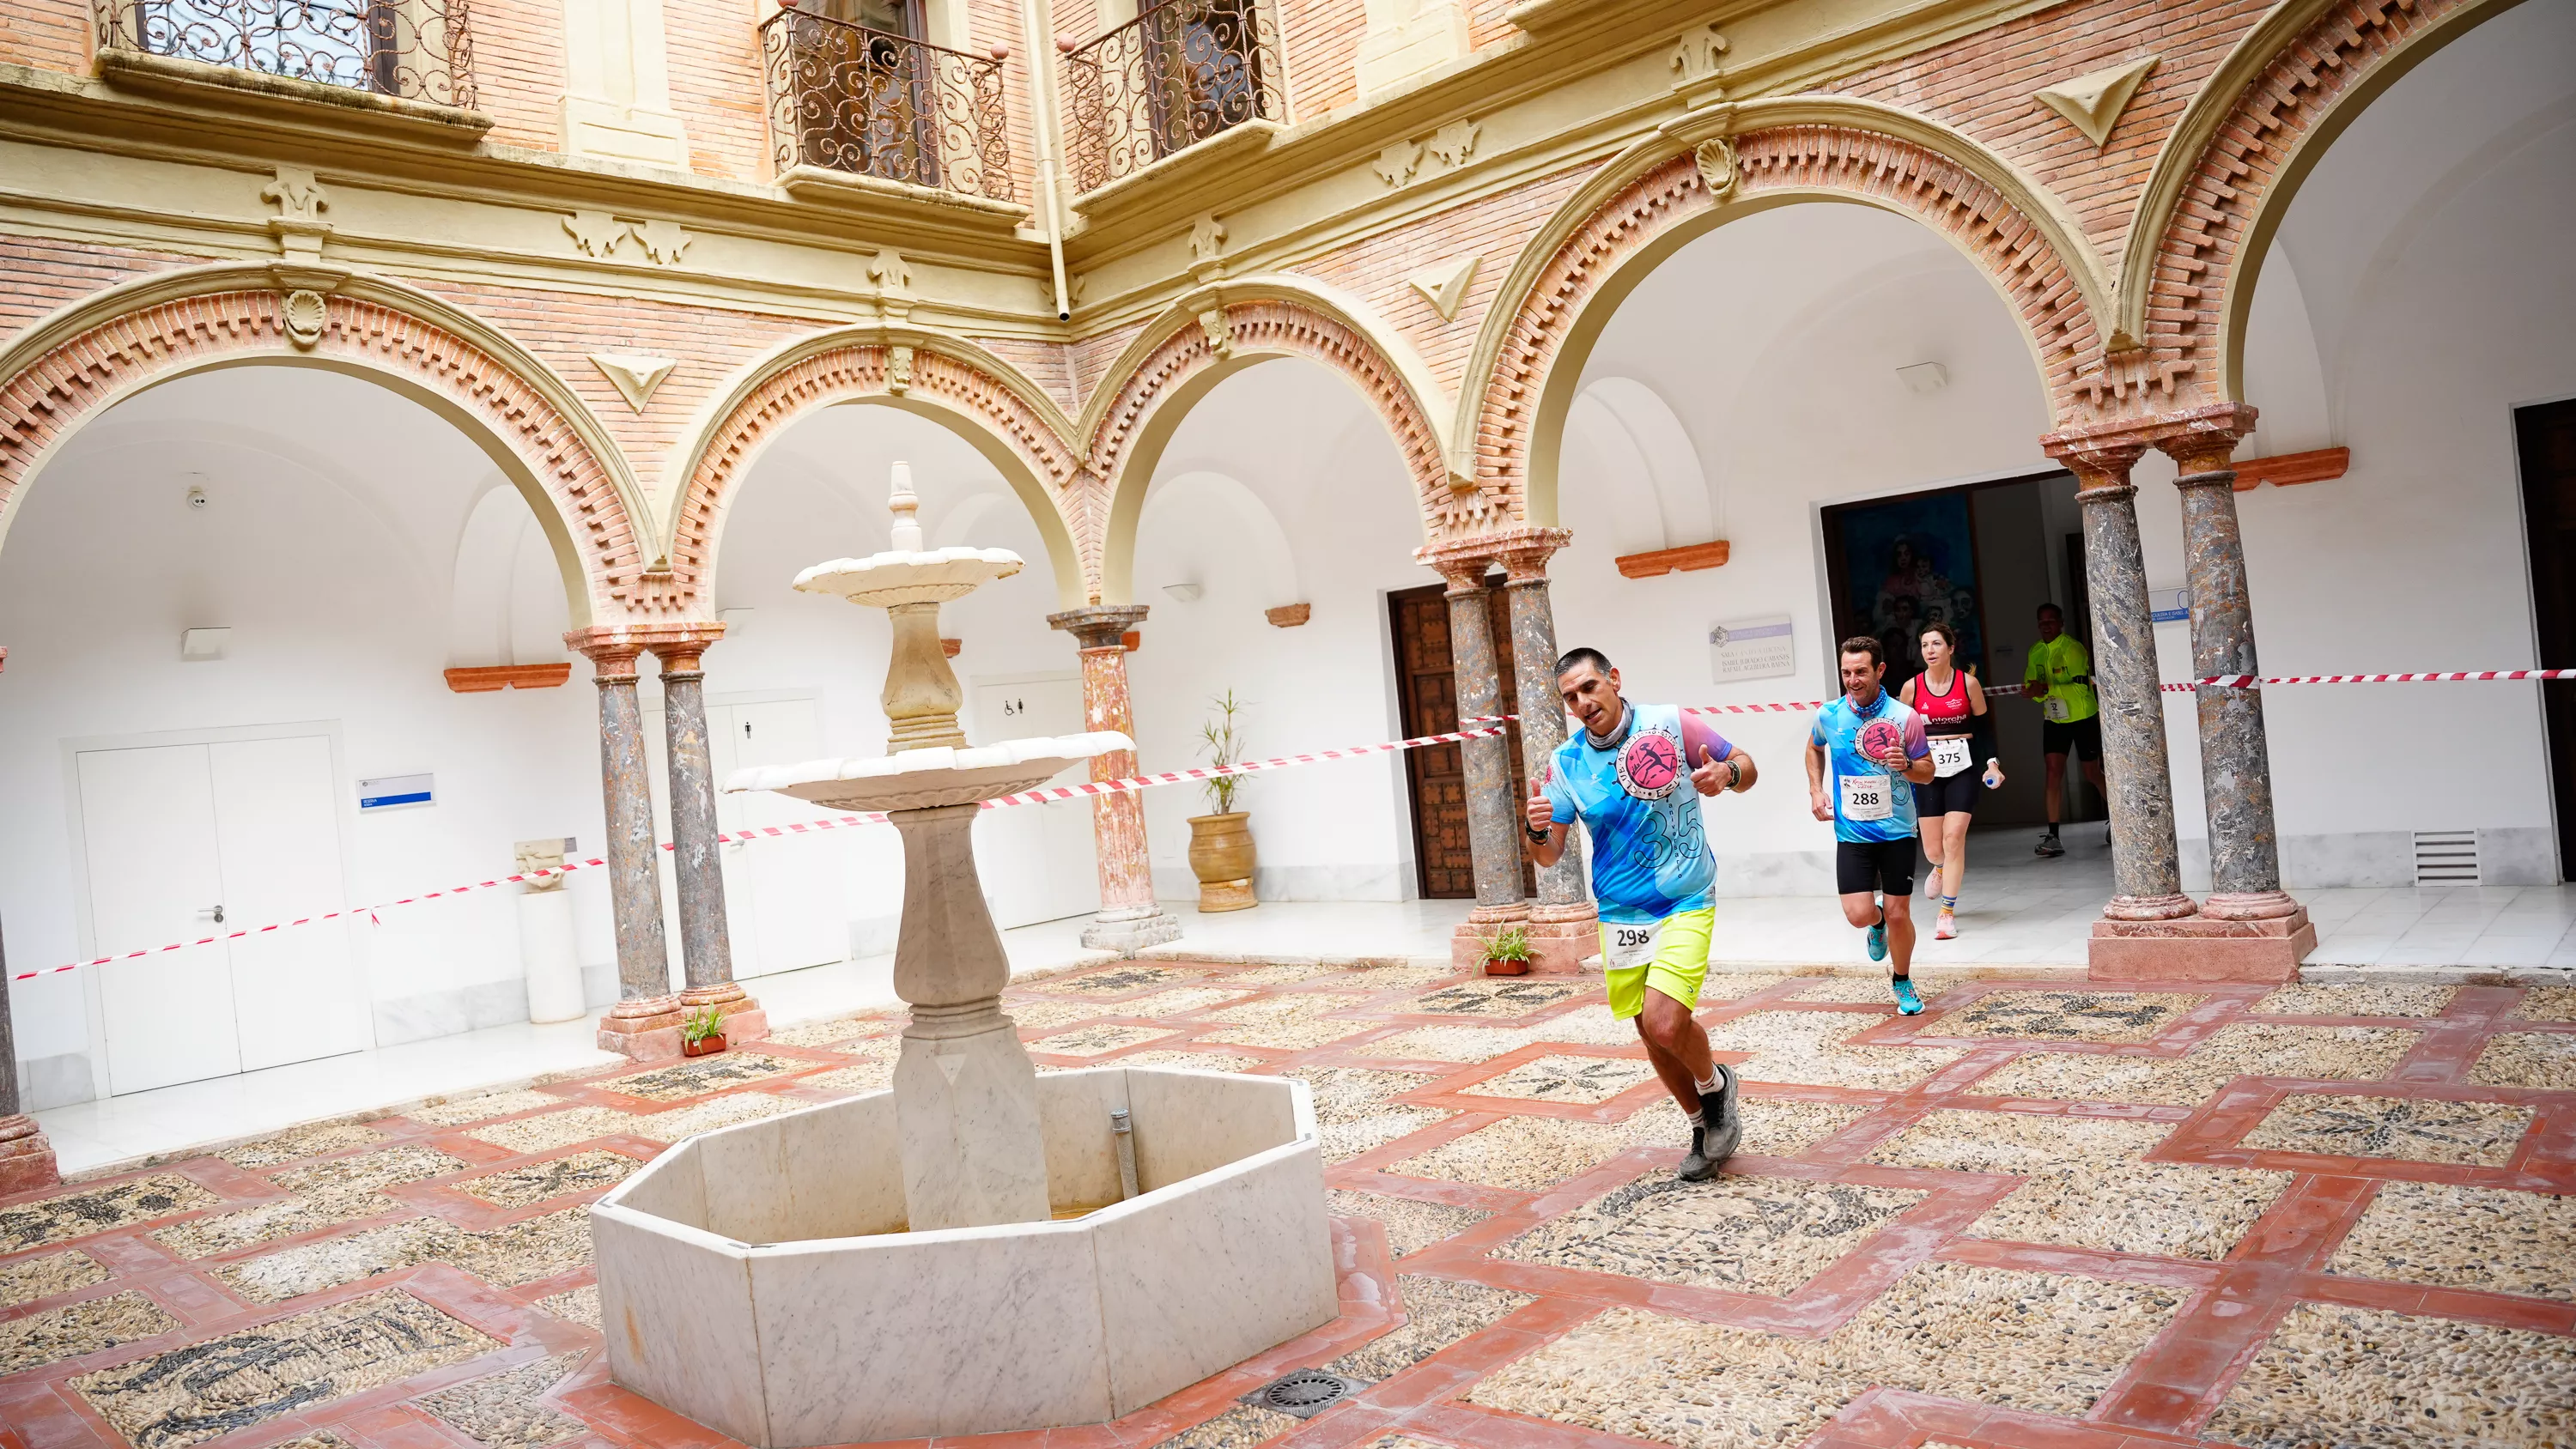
1946	795
2083	737
1866	865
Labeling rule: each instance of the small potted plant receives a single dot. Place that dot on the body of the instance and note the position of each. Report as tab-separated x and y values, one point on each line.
702	1033
1508	954
1221	849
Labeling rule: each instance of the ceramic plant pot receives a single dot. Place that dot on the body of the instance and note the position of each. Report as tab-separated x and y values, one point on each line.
1497	966
1221	856
707	1048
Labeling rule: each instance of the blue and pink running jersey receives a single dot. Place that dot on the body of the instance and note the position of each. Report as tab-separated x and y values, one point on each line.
1650	854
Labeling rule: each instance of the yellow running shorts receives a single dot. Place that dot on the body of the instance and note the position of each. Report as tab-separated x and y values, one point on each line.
1677	965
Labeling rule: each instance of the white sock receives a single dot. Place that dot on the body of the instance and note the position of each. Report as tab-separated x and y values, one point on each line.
1698	1120
1716	1076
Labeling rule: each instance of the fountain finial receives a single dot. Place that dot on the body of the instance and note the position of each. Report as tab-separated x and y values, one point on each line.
904	504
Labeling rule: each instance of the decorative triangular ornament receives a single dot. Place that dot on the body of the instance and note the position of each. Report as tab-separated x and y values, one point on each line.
2094	101
633	377
1445	287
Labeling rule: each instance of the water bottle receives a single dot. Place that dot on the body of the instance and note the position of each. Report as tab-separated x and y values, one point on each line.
1994	773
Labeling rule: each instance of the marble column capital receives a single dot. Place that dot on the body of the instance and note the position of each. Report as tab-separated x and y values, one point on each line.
1099	626
2185	431
1462	562
1524	553
613	649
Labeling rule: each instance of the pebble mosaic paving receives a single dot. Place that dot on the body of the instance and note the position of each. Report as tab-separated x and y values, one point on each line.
2035	1216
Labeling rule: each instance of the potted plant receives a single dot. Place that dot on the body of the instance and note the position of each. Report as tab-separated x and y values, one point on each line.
702	1033
1508	954
1221	852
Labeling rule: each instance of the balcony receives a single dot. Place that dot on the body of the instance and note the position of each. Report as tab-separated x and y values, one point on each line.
1179	73
864	103
408	56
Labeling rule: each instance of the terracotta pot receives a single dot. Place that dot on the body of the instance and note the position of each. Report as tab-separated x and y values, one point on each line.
1496	966
706	1048
1222	857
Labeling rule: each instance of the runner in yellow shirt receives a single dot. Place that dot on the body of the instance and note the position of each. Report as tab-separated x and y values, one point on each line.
2060	680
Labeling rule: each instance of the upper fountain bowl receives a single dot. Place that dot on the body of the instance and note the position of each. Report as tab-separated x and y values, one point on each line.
923	779
910	576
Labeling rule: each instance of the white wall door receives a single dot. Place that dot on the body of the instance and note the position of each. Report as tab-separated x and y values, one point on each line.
1038	862
173	834
789	888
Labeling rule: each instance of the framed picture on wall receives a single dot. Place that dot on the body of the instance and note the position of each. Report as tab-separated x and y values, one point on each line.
1897	565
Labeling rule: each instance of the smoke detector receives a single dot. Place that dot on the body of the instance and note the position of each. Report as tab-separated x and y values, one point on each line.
1186	593
1924	378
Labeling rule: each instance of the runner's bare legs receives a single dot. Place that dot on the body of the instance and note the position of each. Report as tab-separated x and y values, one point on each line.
1862	908
1677	1045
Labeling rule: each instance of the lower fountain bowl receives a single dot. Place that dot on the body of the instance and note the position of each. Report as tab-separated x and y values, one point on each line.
758	1278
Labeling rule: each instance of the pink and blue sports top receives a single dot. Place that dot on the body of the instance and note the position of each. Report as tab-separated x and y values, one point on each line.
1650	855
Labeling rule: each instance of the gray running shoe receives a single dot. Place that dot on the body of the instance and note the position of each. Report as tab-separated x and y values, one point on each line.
1715	1142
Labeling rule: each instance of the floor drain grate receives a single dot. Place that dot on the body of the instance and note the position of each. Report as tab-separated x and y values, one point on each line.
1305	1393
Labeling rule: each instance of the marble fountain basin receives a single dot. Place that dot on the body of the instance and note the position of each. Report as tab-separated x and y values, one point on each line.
758	1278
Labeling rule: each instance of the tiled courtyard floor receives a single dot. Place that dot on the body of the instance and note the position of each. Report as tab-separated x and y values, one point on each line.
2036	1216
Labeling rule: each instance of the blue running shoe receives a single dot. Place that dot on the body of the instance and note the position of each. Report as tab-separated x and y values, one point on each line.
1907	1003
1878	938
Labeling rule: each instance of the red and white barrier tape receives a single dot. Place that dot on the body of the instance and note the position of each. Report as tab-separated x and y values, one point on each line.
1050	794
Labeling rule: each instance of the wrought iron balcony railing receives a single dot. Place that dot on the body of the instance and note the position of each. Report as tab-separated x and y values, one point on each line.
419	50
848	98
1178	73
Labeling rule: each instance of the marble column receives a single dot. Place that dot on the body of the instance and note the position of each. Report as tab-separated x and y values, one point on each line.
1564	926
2146	866
645	1022
2235	766
1493	814
26	1158
1129	918
706	942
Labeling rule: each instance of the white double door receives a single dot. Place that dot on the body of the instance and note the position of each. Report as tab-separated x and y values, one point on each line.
187	841
1038	862
786	898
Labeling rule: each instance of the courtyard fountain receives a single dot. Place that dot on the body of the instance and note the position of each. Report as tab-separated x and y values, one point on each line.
978	1248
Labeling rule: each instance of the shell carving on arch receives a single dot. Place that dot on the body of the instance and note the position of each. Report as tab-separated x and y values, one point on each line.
842	374
2197	257
1887	170
43	402
1272	328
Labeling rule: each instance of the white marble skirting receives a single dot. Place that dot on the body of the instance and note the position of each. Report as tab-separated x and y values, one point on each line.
757	1279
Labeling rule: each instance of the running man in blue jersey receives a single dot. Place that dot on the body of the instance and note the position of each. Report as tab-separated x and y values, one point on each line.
1622	775
1866	750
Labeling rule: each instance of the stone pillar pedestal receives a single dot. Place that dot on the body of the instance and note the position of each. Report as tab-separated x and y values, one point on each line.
706	939
1493	815
1129	918
2235	763
1564	926
26	1158
645	1022
965	1092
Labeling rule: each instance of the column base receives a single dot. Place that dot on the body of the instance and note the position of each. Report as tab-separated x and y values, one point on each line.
1562	938
744	1017
1467	943
26	1158
2197	948
646	1029
2249	906
1128	934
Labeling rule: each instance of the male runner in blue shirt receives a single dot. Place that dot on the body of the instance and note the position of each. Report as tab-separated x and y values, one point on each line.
1875	746
1621	775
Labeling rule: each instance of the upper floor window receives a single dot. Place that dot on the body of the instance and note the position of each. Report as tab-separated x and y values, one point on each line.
416	49
1178	73
854	87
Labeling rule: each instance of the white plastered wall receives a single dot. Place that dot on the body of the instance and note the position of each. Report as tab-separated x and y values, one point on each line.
335	531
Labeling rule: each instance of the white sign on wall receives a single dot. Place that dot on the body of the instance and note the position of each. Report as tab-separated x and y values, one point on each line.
1751	649
390	792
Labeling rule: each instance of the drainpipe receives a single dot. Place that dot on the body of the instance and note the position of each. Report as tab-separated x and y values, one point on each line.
1039	34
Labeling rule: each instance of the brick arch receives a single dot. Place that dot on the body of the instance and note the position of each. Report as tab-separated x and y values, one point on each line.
951	381
2230	171
82	361
1579	269
1174	364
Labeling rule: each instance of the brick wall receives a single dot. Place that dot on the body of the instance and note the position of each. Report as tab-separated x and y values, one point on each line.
1321	41
1048	364
519	73
716	85
1092	357
1983	84
46	34
1493	230
39	275
711	345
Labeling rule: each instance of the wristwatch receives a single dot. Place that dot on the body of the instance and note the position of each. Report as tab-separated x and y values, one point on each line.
1537	836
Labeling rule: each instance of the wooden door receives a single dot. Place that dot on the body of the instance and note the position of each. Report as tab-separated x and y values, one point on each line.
1435	775
2545	436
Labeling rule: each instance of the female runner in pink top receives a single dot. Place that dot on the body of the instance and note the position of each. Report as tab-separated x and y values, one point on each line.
1950	700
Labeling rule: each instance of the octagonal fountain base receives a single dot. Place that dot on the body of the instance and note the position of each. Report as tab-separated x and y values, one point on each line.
759	1278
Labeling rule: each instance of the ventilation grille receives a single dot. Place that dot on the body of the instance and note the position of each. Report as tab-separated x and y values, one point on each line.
2446	857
